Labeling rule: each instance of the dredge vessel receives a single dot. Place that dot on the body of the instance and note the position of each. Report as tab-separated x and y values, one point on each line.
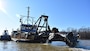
40	32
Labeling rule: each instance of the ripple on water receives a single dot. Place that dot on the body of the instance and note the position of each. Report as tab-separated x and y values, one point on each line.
54	46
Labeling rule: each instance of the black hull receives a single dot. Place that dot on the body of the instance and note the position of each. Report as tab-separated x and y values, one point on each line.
5	38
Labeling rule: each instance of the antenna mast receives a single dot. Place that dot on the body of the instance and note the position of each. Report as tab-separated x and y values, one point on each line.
28	15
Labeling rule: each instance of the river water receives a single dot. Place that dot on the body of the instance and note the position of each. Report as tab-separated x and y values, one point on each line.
83	45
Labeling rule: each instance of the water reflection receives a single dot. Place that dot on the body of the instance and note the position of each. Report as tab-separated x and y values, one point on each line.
40	47
84	44
13	46
8	46
4	45
54	46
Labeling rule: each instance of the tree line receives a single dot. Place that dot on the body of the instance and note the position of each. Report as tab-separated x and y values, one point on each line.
84	32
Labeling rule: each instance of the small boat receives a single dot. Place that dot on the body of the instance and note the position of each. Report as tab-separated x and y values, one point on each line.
5	36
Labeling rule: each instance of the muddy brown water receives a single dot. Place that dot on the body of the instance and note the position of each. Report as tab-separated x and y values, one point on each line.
17	46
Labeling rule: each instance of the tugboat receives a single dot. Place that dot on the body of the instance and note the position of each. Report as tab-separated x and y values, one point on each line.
5	36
